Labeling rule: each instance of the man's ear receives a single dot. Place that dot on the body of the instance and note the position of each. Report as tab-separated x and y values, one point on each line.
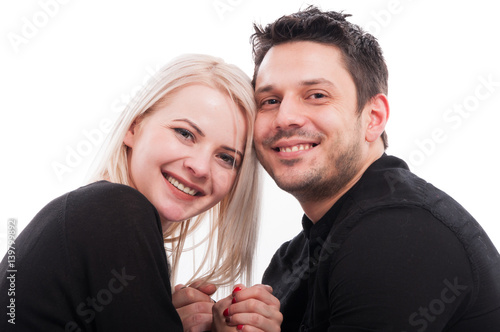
131	134
377	116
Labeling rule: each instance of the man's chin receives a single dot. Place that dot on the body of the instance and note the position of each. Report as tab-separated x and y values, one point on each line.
295	184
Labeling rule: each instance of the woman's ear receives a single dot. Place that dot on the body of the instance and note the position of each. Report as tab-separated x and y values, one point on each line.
131	134
378	114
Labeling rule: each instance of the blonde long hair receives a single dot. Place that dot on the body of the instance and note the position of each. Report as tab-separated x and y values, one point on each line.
233	222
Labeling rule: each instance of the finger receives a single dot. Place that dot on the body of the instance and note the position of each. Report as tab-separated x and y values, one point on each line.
179	287
196	316
249	328
255	289
252	306
259	292
189	295
195	308
197	323
219	320
266	287
252	321
238	287
222	305
208	289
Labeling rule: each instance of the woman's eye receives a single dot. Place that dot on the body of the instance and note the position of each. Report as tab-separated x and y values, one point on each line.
184	133
228	159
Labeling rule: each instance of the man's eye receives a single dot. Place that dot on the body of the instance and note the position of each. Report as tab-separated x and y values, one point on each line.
184	133
270	102
317	95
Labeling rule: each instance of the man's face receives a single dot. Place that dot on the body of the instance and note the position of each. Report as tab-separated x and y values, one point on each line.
308	135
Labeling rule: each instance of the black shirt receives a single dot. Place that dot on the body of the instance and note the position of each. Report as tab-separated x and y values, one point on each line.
393	254
91	260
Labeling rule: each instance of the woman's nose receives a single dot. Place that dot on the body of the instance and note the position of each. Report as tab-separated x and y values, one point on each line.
198	163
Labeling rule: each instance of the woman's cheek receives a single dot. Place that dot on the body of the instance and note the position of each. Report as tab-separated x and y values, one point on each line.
225	182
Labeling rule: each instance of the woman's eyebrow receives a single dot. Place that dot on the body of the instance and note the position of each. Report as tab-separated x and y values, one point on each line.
192	124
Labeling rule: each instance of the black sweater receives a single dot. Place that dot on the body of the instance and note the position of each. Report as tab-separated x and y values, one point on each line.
91	260
393	254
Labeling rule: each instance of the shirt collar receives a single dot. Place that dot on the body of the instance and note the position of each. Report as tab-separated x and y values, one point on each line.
361	188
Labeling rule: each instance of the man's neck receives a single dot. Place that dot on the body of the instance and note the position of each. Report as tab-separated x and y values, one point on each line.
316	209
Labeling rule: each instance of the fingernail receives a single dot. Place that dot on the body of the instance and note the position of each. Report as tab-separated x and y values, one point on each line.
236	289
234	300
226	312
239	327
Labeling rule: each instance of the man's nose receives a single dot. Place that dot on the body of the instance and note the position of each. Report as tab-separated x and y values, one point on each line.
290	114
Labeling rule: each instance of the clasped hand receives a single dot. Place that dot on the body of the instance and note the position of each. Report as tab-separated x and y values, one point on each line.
246	309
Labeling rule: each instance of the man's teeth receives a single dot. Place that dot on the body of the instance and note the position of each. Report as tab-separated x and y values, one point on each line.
181	187
294	148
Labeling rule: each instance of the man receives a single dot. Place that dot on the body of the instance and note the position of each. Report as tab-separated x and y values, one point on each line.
381	249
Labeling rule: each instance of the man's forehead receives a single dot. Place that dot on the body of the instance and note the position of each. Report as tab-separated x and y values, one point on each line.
300	53
301	63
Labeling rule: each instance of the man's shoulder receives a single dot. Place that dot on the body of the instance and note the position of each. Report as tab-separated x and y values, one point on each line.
288	254
388	182
293	248
288	270
388	189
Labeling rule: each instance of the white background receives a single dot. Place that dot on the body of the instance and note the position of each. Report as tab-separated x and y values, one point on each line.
69	67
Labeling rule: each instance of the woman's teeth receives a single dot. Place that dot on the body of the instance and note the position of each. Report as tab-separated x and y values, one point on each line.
180	186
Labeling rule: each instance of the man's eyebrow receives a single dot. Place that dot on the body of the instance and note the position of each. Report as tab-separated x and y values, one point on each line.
265	88
316	81
192	124
232	150
308	82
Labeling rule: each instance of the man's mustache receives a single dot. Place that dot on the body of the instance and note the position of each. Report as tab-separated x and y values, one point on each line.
295	132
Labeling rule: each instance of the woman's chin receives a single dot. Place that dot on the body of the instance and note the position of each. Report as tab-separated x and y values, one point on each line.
167	223
172	216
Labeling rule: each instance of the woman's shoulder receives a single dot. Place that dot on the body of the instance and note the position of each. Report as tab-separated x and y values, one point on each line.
109	204
105	190
108	196
109	215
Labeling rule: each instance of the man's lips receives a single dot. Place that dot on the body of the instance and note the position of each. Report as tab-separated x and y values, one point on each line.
295	148
294	145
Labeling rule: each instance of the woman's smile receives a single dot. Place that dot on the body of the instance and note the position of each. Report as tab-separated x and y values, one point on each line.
195	161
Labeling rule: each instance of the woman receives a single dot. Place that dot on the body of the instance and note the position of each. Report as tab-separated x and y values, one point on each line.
94	259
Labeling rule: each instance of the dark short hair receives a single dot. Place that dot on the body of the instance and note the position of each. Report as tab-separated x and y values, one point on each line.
361	52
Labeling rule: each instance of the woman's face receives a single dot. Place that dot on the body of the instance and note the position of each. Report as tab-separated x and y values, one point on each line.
185	155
